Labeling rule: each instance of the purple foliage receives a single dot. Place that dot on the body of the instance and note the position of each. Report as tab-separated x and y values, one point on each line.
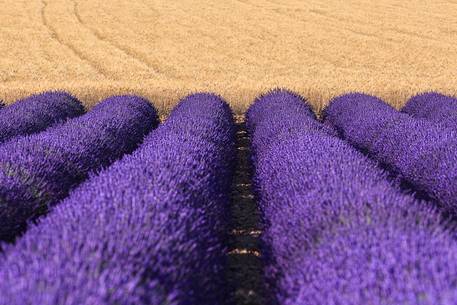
284	102
335	230
36	113
435	107
424	154
147	230
38	170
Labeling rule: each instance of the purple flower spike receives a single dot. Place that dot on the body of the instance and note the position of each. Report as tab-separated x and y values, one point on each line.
150	229
38	170
424	154
277	105
435	107
335	230
36	113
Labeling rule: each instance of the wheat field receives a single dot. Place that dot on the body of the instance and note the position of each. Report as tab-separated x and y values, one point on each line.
166	49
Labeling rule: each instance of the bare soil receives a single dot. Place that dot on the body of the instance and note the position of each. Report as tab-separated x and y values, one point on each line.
245	269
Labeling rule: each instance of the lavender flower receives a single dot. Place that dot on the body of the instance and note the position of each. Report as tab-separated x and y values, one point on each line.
435	107
422	153
36	113
335	230
38	170
150	229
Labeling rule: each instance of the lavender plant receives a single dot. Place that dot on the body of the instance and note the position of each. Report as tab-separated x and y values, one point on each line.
335	230
435	107
36	113
422	153
275	107
149	229
38	170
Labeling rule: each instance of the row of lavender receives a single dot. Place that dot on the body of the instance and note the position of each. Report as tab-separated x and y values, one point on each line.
419	144
336	230
149	229
38	170
36	113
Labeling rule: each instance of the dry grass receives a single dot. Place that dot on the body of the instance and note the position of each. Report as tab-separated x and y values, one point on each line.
164	49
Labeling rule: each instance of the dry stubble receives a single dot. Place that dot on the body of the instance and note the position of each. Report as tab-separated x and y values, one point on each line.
165	49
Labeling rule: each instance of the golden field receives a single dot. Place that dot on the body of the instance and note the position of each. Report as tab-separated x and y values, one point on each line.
165	49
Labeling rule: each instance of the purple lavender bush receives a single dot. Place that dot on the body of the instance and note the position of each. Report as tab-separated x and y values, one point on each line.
277	105
38	170
424	154
435	107
335	230
149	229
36	113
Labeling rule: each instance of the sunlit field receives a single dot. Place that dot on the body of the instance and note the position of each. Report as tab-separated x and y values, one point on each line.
249	152
166	49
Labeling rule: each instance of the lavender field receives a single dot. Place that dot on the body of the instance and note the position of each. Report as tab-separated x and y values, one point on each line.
355	205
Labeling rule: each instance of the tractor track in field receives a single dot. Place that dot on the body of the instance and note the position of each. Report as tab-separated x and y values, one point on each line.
245	268
126	51
55	36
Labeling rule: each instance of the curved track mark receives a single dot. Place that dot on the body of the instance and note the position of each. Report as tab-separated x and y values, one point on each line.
56	37
115	45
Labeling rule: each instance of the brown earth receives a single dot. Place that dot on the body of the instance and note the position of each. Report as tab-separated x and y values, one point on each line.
165	49
245	268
